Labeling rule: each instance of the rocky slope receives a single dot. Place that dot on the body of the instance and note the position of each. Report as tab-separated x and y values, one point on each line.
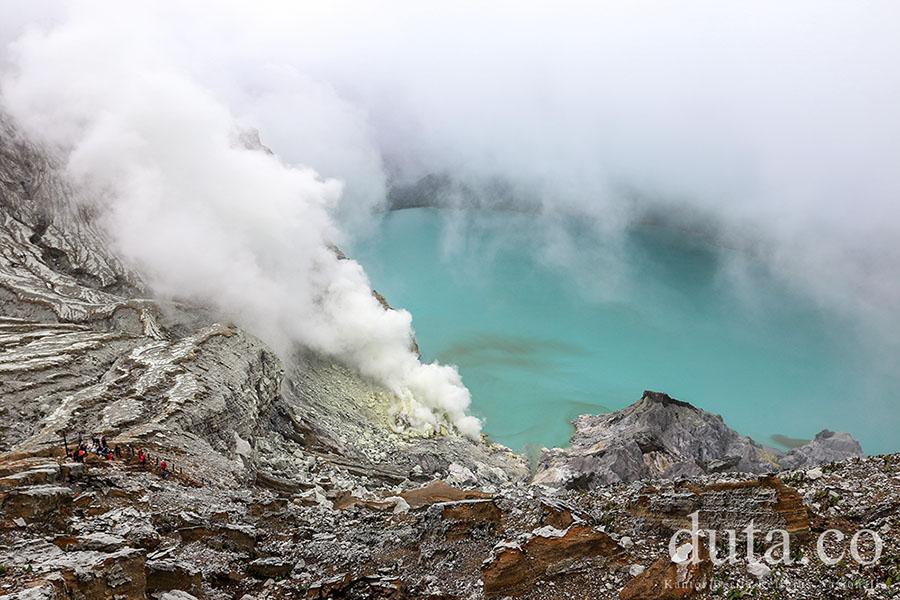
290	480
110	529
85	350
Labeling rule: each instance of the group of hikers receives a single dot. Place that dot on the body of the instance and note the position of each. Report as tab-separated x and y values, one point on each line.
99	447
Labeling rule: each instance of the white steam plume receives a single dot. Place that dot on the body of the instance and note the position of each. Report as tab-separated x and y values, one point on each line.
201	215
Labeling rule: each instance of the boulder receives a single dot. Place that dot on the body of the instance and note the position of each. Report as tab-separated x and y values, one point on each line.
275	506
70	471
176	595
559	514
270	568
759	570
329	587
40	591
438	491
514	567
233	537
84	573
168	574
460	475
400	505
460	518
668	579
36	502
827	447
99	541
241	538
40	475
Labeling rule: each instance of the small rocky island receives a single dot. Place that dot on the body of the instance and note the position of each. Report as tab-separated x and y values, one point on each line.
286	478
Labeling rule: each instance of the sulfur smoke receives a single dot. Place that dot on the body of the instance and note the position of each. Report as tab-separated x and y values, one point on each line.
770	127
205	215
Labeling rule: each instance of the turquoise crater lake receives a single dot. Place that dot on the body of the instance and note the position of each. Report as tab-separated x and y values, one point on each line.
549	322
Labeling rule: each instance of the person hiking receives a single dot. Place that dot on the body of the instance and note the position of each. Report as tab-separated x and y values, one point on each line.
164	469
142	458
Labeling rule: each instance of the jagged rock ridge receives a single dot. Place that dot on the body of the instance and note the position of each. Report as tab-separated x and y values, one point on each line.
660	437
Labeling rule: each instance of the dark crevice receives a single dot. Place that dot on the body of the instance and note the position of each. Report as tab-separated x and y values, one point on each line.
59	260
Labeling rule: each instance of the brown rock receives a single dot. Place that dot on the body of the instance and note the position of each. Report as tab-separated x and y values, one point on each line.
36	501
329	587
767	501
99	542
667	580
385	588
438	491
194	534
38	475
346	500
241	539
166	575
270	568
515	567
279	485
115	576
84	500
559	514
344	585
10	464
70	471
462	516
66	542
266	509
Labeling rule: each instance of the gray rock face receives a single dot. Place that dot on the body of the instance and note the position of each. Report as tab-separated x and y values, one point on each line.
660	437
657	437
828	446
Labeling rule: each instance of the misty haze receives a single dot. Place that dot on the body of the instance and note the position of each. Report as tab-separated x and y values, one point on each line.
297	244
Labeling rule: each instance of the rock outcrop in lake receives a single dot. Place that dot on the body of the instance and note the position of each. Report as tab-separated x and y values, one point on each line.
660	437
827	447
